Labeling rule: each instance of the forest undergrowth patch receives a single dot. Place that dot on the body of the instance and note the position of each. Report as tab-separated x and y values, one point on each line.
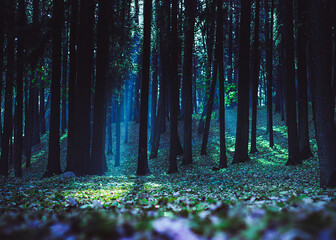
261	199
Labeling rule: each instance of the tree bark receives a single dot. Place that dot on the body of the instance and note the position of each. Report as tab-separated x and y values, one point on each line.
142	168
242	134
293	140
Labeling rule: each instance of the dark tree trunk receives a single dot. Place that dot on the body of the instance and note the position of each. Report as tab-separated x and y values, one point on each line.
269	70
174	97
219	36
81	148
230	67
7	130
72	86
242	134
126	116
322	91
2	39
209	108
64	78
109	127
187	79
255	80
154	88
54	165
210	35
293	140
99	120
42	110
304	146
143	168
18	140
118	120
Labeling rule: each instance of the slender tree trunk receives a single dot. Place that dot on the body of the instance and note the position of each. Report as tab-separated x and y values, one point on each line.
2	45
143	168
242	134
293	140
72	86
118	120
187	79
154	88
269	71
99	120
255	80
18	140
174	98
219	36
304	146
64	78
7	130
109	127
54	164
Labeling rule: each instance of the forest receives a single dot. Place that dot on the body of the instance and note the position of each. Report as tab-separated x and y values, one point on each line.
168	119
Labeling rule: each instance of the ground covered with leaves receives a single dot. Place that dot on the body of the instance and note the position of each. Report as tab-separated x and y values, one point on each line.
262	199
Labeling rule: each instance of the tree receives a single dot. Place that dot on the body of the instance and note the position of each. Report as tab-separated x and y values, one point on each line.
321	38
54	166
72	86
269	70
143	168
304	146
2	39
82	135
98	163
18	140
242	134
255	77
187	78
293	141
219	36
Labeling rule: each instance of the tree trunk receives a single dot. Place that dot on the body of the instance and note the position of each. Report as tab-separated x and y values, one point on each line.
219	36
143	168
99	120
242	134
118	120
81	147
72	86
7	130
269	71
2	39
18	140
255	80
322	91
293	141
54	166
304	146
187	79
64	79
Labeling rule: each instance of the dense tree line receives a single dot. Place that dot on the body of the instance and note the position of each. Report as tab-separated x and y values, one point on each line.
76	67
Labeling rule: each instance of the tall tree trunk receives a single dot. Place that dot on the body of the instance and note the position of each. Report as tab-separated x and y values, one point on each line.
219	36
72	86
255	80
269	70
7	130
174	98
2	46
118	120
187	79
82	130
322	91
304	146
64	78
99	120
109	127
242	134
54	164
18	140
293	140
143	168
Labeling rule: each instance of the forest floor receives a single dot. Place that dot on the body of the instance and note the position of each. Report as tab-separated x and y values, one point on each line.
261	199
